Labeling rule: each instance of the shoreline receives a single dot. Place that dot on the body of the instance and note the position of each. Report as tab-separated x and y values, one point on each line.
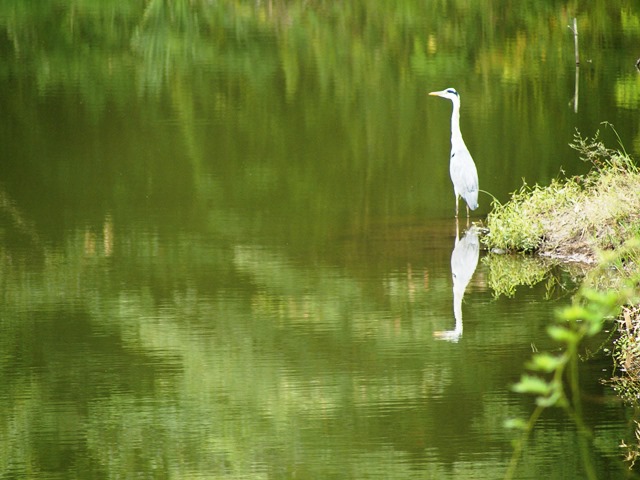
594	221
580	219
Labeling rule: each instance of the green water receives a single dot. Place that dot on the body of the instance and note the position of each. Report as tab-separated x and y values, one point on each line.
226	235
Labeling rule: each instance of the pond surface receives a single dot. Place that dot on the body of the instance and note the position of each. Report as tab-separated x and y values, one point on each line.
227	243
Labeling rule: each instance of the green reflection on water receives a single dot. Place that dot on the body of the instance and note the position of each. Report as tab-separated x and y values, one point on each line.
219	251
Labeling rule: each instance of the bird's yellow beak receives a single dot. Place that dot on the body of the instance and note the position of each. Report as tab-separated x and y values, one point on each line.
434	93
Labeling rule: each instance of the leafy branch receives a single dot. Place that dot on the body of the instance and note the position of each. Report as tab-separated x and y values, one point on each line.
554	379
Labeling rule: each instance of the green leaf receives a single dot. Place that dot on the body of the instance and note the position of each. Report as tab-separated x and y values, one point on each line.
562	334
608	299
594	326
515	423
555	400
545	362
532	385
573	313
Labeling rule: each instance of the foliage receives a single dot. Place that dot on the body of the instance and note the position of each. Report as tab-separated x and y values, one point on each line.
573	218
627	355
626	382
601	211
518	225
554	380
632	451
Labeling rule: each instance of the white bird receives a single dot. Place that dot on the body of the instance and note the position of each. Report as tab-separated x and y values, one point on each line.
464	174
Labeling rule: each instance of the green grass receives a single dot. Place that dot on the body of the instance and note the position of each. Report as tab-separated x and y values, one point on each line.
519	225
572	218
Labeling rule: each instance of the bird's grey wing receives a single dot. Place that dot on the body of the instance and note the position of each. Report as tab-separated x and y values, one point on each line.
464	176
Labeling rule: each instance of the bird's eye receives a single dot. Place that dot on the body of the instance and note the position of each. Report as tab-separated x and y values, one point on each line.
452	91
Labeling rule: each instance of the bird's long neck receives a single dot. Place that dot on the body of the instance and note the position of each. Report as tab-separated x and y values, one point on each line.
456	135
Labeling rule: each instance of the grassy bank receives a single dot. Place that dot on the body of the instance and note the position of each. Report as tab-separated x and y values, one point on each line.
573	219
593	220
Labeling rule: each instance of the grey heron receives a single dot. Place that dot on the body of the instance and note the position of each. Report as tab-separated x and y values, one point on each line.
464	174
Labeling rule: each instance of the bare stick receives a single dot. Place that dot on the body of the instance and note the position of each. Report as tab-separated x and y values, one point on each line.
574	29
577	89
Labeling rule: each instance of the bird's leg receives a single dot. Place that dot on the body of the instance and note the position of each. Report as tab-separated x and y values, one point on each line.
467	215
457	206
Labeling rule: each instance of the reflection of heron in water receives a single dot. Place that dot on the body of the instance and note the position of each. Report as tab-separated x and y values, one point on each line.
464	260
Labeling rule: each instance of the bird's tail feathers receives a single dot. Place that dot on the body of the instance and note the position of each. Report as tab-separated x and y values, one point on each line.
472	199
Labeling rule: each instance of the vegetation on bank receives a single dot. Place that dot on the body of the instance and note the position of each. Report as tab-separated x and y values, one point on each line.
582	222
595	220
575	218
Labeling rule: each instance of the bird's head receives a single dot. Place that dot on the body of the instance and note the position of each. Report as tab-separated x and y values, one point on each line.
449	93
